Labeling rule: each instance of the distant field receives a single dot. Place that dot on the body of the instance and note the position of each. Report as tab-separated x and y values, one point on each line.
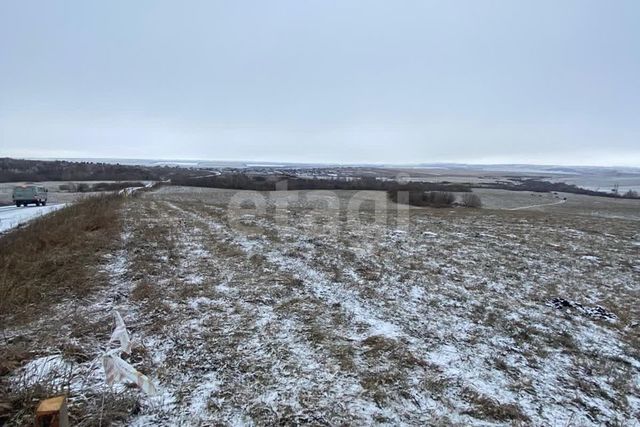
603	183
575	203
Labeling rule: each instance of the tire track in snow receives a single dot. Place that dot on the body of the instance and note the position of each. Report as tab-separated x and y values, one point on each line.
320	285
538	206
315	369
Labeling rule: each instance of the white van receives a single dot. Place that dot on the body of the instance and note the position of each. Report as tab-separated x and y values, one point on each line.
26	194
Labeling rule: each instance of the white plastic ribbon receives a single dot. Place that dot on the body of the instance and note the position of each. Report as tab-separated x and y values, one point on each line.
120	334
118	370
115	368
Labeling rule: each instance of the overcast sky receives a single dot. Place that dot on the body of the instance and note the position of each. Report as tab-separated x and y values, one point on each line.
323	81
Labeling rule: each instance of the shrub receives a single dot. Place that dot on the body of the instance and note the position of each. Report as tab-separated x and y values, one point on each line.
115	186
440	199
67	187
83	188
470	200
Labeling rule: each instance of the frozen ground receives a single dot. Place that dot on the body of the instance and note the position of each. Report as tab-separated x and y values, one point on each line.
11	216
312	314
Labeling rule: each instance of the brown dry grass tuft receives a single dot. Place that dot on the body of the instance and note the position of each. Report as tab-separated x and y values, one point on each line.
54	256
485	407
107	409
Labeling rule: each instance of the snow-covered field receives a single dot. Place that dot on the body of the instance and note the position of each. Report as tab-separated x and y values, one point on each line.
11	216
575	204
312	314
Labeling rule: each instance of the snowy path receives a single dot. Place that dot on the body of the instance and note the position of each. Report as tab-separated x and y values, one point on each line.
11	216
538	206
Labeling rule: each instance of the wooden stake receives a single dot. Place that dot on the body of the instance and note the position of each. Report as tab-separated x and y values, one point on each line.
52	412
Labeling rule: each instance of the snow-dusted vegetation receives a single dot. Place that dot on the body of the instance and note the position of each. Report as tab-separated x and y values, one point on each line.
342	311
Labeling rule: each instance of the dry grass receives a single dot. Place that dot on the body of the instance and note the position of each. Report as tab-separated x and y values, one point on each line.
104	410
485	407
43	266
52	257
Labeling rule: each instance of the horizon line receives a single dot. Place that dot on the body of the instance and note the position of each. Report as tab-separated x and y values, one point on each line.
270	163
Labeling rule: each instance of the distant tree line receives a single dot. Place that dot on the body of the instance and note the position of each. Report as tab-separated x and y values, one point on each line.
15	170
435	199
241	181
84	187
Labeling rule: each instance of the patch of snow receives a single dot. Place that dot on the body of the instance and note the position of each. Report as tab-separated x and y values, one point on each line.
53	369
201	394
12	217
